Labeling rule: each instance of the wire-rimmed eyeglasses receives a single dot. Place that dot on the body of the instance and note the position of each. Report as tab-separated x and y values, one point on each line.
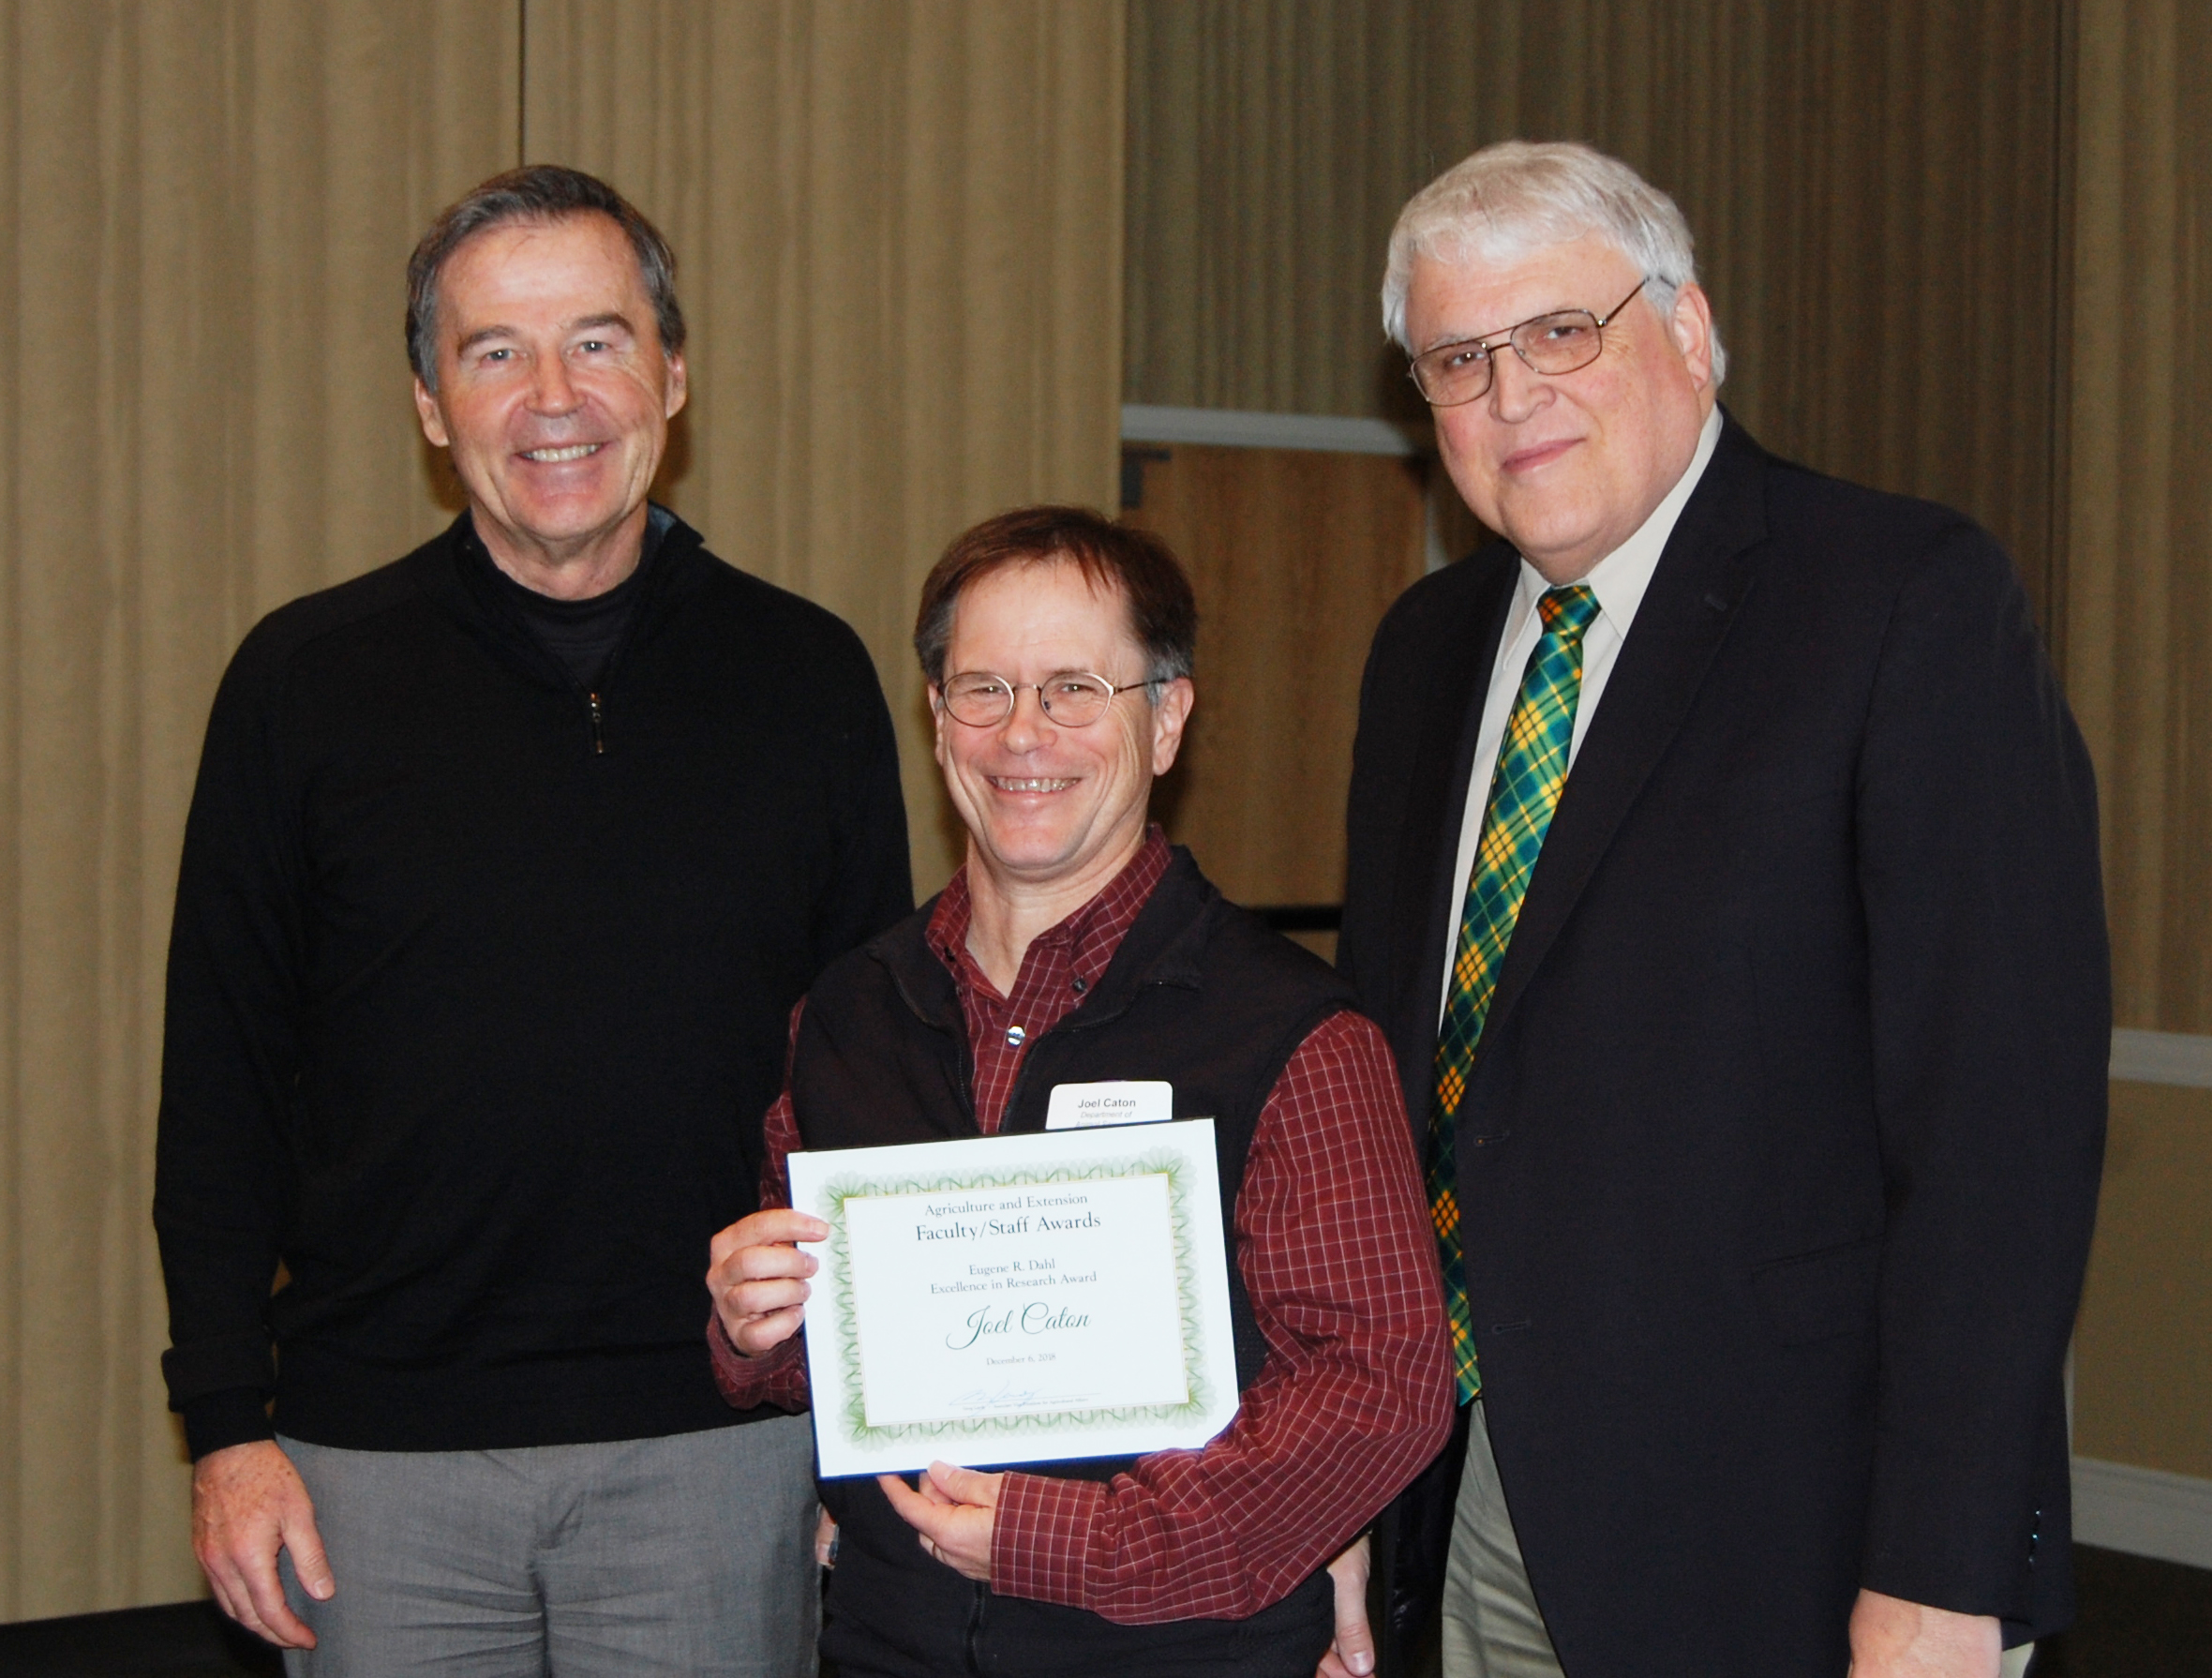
1563	341
1072	699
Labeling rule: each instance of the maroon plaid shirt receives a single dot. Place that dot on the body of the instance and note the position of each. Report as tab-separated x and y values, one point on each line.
1332	1240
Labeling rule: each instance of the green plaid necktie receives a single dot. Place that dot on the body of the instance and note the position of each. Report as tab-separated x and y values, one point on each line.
1524	792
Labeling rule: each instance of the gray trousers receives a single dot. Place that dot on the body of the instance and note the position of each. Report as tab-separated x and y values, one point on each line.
1493	1625
691	1555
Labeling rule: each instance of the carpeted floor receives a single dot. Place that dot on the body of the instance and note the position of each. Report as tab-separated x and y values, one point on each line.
184	1640
2139	1619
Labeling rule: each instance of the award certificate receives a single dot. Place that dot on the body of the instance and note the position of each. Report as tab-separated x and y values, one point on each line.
1017	1298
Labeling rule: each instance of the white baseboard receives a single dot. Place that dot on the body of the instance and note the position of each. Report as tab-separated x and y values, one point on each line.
2143	1511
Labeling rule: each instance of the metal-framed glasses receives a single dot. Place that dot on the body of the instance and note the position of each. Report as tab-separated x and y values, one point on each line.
1072	699
1560	342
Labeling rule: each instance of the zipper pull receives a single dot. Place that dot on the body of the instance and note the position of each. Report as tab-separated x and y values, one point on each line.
598	727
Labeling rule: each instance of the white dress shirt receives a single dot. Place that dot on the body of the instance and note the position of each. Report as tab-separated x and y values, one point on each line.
1618	581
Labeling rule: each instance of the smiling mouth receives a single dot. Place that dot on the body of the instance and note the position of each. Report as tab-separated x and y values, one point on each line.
1034	784
575	451
1543	453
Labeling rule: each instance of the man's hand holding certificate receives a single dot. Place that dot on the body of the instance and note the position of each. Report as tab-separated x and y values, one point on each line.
757	1276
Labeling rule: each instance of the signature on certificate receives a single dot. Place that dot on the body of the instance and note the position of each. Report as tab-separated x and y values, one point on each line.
1006	1396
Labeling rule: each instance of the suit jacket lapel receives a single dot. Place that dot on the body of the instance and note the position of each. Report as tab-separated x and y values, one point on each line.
1429	841
1694	597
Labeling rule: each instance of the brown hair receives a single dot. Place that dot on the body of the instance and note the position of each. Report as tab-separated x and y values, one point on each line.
1116	558
538	192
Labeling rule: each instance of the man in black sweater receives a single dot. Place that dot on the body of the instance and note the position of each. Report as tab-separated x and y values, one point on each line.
505	865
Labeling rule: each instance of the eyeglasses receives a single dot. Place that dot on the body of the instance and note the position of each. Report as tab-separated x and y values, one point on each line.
1559	342
1074	698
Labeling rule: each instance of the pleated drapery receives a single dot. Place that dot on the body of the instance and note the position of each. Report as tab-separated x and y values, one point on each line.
898	223
208	208
2138	666
901	231
1955	244
1874	189
2138	647
1956	247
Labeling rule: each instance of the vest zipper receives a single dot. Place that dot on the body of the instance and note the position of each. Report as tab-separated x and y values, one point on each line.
1067	1022
598	725
1014	1094
975	1630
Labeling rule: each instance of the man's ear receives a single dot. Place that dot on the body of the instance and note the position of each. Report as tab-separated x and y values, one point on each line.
937	725
1693	332
426	410
1171	712
679	385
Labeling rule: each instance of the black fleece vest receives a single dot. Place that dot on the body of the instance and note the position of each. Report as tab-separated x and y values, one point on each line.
1200	994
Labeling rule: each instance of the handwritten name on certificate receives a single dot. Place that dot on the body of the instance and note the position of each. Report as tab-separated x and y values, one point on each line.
1017	1298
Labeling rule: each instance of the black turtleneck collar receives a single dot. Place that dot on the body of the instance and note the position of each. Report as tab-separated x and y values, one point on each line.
581	633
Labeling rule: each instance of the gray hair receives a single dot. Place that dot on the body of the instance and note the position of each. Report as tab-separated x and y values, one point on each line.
1518	197
539	192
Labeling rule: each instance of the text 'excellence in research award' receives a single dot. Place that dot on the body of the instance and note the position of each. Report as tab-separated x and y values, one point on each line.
1024	1298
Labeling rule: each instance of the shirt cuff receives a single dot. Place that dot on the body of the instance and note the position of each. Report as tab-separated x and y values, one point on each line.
749	1382
218	1420
1041	1536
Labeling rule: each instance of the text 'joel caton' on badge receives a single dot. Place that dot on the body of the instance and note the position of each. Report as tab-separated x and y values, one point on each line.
1122	1101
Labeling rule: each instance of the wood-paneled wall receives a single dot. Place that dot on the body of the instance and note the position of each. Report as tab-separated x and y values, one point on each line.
1874	189
899	232
1294	557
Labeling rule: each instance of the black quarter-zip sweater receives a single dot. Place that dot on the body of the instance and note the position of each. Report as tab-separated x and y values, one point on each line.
478	989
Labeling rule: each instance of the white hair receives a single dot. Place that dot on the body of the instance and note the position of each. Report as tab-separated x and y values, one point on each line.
1517	198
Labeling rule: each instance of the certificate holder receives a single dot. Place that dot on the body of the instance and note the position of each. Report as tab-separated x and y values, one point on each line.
1026	1298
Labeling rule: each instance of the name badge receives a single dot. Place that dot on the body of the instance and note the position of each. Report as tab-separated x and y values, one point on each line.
1078	1107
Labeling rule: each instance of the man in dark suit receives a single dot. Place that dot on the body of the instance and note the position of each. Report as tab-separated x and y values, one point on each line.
1758	1062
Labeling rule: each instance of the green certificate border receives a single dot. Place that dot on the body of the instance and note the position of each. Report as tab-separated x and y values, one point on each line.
845	1332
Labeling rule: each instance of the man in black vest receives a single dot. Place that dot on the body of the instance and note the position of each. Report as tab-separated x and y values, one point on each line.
1075	946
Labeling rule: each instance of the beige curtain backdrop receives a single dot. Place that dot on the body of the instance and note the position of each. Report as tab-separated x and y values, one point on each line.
208	206
2139	578
1874	188
2138	661
900	231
